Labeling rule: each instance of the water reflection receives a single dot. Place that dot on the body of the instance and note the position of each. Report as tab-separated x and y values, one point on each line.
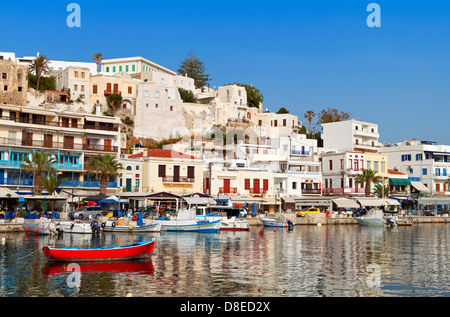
308	261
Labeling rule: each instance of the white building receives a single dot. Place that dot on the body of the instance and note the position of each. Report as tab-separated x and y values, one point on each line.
351	135
76	81
133	65
422	161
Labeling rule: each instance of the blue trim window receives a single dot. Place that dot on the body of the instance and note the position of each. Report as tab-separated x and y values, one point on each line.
18	156
424	171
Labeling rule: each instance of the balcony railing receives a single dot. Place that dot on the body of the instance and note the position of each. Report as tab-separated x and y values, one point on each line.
179	179
257	191
228	190
110	92
346	190
296	152
311	191
58	145
16	182
87	184
59	124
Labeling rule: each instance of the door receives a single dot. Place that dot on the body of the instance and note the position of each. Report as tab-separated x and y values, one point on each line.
65	122
27	138
256	188
108	87
116	88
107	145
129	183
176	173
68	142
226	186
48	140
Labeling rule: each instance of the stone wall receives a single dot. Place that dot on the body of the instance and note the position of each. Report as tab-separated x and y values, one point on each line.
13	83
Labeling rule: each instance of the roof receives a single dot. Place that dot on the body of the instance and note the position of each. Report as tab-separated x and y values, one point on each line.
162	153
395	172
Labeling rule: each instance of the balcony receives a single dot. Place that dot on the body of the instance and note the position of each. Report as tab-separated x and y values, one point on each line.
227	190
88	125
4	163
346	190
87	184
296	152
58	145
178	179
311	191
110	92
257	191
17	182
68	166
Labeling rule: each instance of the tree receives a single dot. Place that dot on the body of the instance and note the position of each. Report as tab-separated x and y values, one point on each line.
254	96
367	177
51	183
40	65
45	83
282	110
332	115
382	191
310	116
105	166
98	59
187	95
194	68
39	163
114	101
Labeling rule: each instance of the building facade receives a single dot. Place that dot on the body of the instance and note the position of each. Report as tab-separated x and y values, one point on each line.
13	83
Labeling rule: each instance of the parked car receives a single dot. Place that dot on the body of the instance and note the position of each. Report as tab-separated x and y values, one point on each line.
359	212
86	211
308	211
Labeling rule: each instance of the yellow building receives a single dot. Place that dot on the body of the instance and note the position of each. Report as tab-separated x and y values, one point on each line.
379	163
170	171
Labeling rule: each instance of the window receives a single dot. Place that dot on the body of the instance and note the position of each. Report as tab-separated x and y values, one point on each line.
130	90
265	184
284	122
275	123
19	89
4	75
133	68
424	171
406	157
107	69
161	170
75	87
157	94
82	87
145	93
418	157
19	76
5	88
383	166
94	89
83	75
120	68
137	182
331	164
191	172
126	68
369	165
114	69
342	164
294	185
75	74
247	184
171	108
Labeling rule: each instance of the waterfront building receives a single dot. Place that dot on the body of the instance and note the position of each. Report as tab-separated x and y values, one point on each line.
425	163
130	176
170	171
133	65
339	172
70	138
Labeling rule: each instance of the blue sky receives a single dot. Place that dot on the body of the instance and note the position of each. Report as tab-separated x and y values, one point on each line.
302	55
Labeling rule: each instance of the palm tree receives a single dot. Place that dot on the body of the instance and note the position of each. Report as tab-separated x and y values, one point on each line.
382	191
40	65
51	183
310	116
39	163
97	59
367	177
105	166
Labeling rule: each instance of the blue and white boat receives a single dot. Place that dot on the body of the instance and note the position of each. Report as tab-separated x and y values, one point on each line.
185	221
375	217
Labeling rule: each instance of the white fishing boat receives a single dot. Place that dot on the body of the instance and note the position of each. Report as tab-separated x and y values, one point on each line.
375	217
76	226
185	221
43	226
277	223
229	217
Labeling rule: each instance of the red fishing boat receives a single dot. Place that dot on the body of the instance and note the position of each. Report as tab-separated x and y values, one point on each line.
133	251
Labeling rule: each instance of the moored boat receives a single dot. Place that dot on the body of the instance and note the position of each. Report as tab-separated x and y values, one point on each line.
76	226
185	221
229	217
43	226
130	226
277	223
375	217
133	251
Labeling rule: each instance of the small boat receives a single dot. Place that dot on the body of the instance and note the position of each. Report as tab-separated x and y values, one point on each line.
133	251
185	221
43	226
76	226
277	223
124	225
375	217
404	222
138	266
229	217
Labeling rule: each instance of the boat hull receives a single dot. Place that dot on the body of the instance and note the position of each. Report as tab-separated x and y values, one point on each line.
155	227
190	226
42	227
74	227
274	223
128	252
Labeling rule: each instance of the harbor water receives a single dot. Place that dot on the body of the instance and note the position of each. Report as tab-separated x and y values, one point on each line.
308	261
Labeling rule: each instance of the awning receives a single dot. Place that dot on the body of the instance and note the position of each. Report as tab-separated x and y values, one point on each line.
288	200
421	187
345	203
7	193
199	200
371	202
399	181
391	202
434	201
